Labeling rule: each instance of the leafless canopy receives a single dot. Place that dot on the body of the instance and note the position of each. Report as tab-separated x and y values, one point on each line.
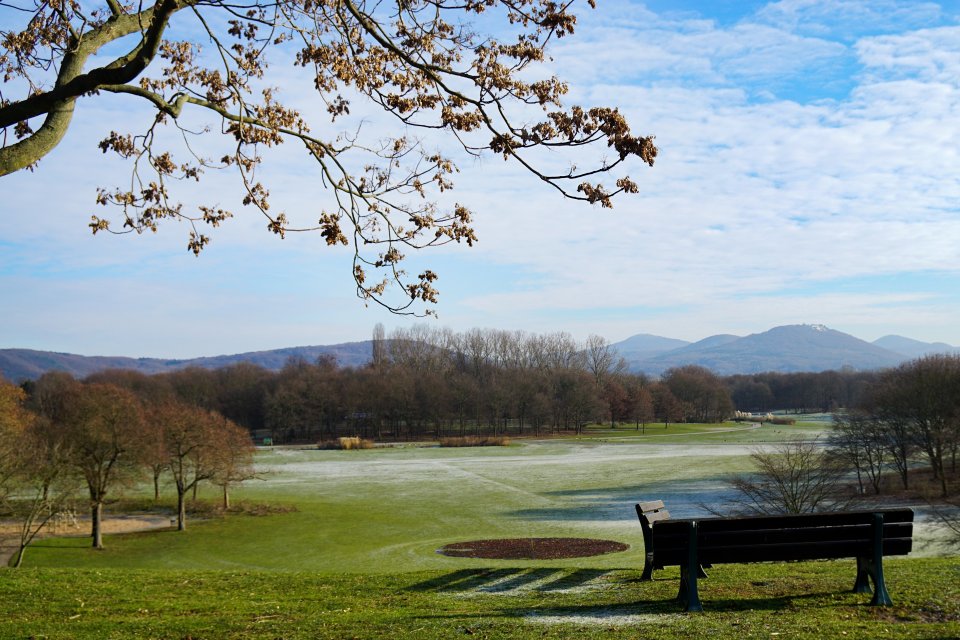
795	477
419	60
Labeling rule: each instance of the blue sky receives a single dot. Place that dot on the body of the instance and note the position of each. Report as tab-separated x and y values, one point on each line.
808	173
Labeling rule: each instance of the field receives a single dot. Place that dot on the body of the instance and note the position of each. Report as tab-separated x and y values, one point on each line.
357	557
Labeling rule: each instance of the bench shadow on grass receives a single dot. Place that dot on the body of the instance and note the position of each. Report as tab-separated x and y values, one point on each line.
636	612
507	580
562	582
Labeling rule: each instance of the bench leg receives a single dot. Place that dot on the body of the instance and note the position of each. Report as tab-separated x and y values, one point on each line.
689	595
862	585
647	567
870	569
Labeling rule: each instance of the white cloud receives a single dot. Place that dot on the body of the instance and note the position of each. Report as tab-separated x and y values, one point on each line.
757	208
927	55
847	18
754	199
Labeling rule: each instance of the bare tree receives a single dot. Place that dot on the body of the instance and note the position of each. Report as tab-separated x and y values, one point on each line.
948	513
701	393
13	421
34	468
379	348
921	401
234	458
641	405
666	405
422	63
103	425
190	438
797	477
44	480
862	441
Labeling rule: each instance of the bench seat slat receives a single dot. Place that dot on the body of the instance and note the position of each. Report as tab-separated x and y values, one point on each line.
706	539
782	552
794	521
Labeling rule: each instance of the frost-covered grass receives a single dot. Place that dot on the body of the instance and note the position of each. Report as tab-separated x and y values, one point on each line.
389	509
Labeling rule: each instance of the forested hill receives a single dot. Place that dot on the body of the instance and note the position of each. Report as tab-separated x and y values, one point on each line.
786	349
25	364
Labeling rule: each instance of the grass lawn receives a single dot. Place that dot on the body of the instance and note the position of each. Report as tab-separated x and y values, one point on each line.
796	600
389	509
358	556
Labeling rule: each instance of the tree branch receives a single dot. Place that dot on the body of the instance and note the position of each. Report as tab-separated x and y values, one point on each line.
58	103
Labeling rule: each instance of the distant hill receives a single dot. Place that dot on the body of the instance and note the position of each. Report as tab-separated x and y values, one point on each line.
787	349
645	345
17	365
914	348
708	343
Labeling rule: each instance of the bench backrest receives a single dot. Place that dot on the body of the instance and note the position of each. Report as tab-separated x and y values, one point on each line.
846	534
650	512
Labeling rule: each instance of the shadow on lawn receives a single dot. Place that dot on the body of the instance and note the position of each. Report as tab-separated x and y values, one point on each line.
641	611
507	580
660	598
670	606
684	499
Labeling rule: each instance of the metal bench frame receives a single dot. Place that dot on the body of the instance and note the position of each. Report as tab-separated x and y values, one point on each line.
864	535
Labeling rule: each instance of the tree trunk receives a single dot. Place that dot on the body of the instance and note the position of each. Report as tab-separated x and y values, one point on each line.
18	560
226	497
181	509
96	524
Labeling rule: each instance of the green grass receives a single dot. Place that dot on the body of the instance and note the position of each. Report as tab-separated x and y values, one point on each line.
358	556
388	510
796	600
725	433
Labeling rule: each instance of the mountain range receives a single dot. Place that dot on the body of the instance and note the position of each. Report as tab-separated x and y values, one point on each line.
791	348
785	349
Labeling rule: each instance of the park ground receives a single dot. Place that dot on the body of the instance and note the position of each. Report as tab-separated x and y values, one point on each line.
348	548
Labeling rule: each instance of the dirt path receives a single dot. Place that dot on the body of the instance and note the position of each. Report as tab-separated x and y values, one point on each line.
79	527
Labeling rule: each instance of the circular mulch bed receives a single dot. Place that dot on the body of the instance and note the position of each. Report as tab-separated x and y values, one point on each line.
532	548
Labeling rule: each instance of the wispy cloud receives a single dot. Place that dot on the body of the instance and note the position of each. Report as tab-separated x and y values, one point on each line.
808	173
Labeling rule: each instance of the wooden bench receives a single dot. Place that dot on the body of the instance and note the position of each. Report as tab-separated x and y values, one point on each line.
650	512
864	535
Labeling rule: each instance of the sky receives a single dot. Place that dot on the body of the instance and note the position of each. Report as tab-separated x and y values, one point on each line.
808	173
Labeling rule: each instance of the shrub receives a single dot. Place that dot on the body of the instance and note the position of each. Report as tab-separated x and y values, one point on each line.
346	443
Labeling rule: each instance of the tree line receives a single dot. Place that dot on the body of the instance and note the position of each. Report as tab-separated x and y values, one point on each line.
426	382
429	382
61	438
909	414
902	433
